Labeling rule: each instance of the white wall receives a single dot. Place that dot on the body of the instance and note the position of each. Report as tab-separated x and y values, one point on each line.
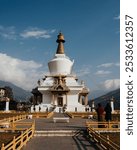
47	98
72	99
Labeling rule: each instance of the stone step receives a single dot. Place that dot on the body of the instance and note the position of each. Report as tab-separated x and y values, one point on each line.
58	133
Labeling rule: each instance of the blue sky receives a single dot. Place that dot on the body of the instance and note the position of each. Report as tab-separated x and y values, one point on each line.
28	32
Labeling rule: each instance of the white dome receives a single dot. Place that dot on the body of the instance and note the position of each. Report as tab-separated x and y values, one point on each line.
60	64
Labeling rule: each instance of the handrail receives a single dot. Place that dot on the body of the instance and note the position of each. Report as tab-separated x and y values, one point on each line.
20	141
15	126
14	118
115	115
50	114
106	124
104	142
9	123
41	114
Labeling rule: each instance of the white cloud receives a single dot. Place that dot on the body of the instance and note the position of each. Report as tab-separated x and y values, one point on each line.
84	70
117	64
37	33
102	72
110	84
19	72
117	17
8	32
106	65
31	32
53	30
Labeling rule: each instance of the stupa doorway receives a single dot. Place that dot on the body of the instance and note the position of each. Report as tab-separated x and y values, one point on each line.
60	101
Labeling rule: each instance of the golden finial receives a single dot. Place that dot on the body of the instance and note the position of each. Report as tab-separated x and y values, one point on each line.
60	41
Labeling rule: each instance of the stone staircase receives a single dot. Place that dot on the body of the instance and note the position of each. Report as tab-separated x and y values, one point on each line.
58	133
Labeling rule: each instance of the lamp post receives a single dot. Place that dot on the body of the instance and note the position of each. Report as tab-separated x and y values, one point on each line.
4	97
112	103
7	104
93	106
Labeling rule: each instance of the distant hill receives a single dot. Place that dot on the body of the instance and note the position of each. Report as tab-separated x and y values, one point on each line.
97	93
19	93
104	98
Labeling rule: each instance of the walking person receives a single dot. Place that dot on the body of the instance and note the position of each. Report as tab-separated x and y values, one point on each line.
108	111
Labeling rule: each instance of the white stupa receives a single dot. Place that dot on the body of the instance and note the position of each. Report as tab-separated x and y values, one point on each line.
60	89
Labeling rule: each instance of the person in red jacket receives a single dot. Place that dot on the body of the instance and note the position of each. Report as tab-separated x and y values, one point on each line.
100	113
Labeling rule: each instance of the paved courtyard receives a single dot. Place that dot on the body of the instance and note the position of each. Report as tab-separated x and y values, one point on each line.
79	141
61	143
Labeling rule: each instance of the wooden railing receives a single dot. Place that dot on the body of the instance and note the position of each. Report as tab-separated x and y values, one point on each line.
50	114
41	114
14	118
9	122
104	126
115	116
103	141
10	115
20	141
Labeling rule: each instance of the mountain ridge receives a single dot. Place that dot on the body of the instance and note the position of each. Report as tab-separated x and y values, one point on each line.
18	93
106	97
23	95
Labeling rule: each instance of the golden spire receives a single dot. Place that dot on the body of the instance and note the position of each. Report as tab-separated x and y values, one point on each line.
60	41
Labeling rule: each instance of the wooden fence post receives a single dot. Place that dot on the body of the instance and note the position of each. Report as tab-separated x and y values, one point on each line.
21	139
3	147
13	125
14	143
109	125
108	139
99	138
33	128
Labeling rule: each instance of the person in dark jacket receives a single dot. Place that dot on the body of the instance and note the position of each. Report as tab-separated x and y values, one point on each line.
108	111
